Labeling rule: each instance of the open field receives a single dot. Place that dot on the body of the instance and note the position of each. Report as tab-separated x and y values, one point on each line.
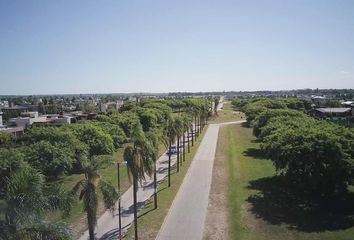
260	207
227	115
150	219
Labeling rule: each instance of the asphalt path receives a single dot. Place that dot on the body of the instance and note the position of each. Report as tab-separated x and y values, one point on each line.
186	217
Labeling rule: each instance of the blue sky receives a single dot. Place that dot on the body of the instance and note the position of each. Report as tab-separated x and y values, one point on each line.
163	45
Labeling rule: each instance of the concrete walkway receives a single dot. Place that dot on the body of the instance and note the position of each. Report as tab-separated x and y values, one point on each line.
187	214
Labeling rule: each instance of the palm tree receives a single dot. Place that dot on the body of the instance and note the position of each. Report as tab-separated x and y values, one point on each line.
26	199
139	157
189	125
155	137
171	134
195	113
88	192
216	103
186	125
178	126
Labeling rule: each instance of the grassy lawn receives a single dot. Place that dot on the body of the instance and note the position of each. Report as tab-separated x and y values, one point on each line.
150	219
227	115
259	206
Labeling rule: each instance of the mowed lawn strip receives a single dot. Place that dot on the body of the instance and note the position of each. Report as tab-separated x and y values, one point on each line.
246	165
150	220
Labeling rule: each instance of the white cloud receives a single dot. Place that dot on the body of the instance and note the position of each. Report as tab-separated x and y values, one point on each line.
343	72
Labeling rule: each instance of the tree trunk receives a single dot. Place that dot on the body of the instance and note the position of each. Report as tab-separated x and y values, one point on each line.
155	187
181	155
91	213
184	147
192	136
195	128
189	149
199	125
135	209
178	154
169	164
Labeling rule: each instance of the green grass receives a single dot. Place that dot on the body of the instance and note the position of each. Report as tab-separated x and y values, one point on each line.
258	210
150	219
227	115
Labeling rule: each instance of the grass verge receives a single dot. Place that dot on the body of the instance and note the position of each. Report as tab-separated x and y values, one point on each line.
260	210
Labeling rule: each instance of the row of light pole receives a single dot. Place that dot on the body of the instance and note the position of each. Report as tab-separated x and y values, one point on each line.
119	192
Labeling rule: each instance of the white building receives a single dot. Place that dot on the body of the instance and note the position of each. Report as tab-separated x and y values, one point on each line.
30	114
26	122
61	120
1	119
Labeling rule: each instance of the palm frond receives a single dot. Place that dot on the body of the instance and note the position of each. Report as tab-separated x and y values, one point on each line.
110	195
43	231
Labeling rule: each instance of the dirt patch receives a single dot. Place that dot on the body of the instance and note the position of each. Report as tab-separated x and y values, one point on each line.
216	226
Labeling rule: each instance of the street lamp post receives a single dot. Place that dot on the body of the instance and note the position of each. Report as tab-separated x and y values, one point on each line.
119	205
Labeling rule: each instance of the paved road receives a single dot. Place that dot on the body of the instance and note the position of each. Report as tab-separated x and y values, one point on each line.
221	104
186	217
107	224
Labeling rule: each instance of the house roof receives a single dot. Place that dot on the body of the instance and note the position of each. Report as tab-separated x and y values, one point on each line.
347	103
14	108
333	110
13	129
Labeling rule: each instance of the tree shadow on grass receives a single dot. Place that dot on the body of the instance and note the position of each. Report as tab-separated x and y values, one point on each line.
255	153
245	124
278	203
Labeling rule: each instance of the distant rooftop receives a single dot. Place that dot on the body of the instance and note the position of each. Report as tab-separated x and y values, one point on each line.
333	110
347	103
15	108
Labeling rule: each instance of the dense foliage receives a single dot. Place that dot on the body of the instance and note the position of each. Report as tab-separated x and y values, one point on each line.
46	154
313	155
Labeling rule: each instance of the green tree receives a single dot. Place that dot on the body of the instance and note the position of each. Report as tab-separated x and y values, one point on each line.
5	139
216	104
75	151
171	133
87	188
11	161
98	142
26	199
140	159
51	159
179	131
310	157
262	119
188	126
155	138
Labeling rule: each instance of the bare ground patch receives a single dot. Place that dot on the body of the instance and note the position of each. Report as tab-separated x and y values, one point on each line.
216	226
